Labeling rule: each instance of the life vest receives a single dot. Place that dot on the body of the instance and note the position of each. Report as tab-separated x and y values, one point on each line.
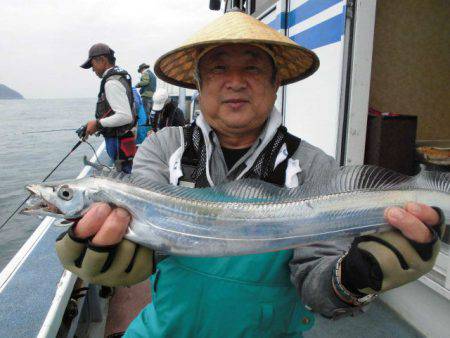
103	108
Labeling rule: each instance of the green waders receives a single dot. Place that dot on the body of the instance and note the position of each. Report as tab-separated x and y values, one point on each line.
245	296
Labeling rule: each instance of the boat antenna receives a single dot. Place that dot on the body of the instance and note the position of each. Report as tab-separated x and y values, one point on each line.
60	162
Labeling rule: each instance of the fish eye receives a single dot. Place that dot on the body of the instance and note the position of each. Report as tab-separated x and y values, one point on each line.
65	193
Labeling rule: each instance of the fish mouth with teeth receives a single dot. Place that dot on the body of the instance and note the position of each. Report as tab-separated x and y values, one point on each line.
36	204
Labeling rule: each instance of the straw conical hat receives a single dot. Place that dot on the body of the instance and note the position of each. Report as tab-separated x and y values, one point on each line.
293	61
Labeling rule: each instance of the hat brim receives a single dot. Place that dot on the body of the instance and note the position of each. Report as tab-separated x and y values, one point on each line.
177	67
142	68
158	106
87	64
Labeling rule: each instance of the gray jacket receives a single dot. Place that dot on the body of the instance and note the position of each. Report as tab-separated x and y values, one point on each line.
311	267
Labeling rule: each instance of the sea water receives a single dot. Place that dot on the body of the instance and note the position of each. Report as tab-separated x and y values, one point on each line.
29	150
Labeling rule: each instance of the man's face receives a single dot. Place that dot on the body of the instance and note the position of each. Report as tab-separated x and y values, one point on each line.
237	90
99	65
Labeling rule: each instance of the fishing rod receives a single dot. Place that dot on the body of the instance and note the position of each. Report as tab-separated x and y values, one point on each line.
81	132
70	152
48	131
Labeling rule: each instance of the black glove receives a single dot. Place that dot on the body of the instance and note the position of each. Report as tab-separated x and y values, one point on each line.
380	262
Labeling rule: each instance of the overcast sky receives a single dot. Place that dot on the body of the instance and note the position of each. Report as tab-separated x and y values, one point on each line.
43	43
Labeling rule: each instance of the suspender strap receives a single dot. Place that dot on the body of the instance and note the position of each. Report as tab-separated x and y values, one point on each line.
278	175
193	161
264	166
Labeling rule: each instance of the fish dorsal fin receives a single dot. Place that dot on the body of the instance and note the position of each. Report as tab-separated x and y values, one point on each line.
241	191
113	175
353	178
340	180
335	181
368	177
248	189
433	180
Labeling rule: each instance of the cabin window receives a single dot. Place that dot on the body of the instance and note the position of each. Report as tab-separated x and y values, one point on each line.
262	6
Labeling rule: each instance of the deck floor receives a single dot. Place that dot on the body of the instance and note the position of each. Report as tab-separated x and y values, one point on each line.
125	305
379	321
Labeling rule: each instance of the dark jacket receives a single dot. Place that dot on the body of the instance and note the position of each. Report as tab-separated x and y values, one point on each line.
169	116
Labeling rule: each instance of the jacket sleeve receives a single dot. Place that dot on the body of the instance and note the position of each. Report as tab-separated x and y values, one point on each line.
152	159
152	81
312	265
145	80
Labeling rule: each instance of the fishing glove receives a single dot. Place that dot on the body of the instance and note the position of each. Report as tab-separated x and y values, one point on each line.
380	262
123	264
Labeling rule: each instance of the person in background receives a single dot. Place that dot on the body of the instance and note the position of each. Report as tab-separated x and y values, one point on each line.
115	111
142	118
147	86
164	112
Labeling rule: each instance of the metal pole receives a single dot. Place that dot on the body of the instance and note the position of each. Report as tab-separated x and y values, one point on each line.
182	99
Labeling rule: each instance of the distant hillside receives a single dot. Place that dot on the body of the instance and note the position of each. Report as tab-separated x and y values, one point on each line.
8	93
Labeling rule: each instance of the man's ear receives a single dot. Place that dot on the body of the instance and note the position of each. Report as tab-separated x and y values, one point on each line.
276	85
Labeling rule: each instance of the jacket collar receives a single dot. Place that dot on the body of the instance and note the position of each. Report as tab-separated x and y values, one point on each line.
106	72
211	140
270	128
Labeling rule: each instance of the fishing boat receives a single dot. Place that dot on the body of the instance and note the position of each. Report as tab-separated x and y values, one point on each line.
353	40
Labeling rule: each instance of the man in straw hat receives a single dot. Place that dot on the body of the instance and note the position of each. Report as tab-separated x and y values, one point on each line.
238	63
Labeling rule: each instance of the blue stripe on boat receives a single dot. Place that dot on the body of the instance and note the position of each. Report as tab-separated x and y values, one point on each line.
323	34
279	22
308	10
301	13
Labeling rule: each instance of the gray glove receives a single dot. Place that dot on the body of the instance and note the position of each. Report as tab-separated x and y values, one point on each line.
123	264
380	262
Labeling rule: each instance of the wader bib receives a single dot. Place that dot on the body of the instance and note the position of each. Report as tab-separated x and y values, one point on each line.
244	296
241	296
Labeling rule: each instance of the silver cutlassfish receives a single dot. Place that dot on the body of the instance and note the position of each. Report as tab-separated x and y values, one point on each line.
247	216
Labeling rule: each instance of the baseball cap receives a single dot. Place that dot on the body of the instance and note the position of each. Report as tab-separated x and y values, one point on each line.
97	50
160	98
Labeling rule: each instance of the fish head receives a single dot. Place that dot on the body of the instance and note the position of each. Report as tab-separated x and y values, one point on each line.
59	199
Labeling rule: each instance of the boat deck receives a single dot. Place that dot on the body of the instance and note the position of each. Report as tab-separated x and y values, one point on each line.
25	301
379	321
